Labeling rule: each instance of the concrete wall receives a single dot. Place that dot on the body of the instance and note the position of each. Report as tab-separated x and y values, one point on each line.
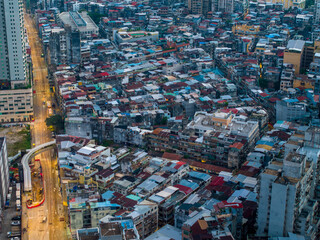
293	58
78	127
277	210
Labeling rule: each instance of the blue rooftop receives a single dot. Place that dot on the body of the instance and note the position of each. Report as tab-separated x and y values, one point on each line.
191	185
200	176
291	100
107	195
127	224
103	205
265	143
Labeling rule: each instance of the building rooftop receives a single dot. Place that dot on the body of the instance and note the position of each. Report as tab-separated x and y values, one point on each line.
295	45
167	232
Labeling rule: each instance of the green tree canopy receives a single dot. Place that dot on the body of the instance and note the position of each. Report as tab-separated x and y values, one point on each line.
56	122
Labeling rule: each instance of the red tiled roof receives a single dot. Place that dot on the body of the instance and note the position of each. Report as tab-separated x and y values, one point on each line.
301	98
185	189
105	173
205	166
120	212
283	136
216	181
236	145
181	163
177	166
104	74
263	94
273	100
234	110
172	156
67	96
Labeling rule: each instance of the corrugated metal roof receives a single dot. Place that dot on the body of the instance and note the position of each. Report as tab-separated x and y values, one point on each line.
295	45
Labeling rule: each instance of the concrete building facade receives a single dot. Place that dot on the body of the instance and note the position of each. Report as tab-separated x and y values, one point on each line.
223	6
294	54
200	6
288	110
16	105
317	12
58	46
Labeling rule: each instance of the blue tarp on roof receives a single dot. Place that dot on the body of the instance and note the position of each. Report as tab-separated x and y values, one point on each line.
265	143
291	100
103	205
199	78
107	195
65	166
246	99
127	224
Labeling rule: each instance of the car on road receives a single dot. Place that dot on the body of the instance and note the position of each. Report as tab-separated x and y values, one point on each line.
16	218
13	234
15	223
15	238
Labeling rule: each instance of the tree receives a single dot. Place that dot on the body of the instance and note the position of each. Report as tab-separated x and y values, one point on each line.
96	17
164	121
263	83
138	119
309	3
56	122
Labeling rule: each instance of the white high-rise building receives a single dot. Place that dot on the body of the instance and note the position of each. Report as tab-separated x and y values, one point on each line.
12	42
286	198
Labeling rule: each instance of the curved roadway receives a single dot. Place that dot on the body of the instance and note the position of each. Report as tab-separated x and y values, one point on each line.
26	159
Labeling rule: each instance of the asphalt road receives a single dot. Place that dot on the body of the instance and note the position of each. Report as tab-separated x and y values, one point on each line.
52	208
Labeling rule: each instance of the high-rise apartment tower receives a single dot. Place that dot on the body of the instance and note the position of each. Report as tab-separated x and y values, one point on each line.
12	42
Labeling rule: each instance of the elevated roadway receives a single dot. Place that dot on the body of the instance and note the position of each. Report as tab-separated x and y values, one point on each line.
26	159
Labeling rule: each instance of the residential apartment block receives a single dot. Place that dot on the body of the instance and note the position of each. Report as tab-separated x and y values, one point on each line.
16	105
286	201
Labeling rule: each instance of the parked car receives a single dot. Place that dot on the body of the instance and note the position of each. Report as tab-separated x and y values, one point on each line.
16	218
15	223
